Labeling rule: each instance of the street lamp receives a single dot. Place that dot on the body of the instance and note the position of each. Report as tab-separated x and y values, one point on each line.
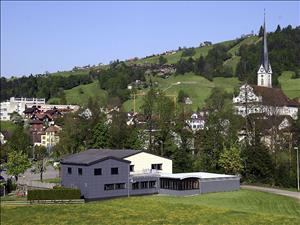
296	148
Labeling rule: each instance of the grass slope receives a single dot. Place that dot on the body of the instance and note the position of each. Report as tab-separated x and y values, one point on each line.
80	94
242	207
291	87
197	87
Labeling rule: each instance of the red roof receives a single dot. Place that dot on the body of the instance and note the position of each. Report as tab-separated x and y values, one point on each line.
273	96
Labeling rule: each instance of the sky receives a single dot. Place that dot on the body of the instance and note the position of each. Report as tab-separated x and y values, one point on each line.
55	36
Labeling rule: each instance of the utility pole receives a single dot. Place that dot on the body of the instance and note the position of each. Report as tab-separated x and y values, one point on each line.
296	148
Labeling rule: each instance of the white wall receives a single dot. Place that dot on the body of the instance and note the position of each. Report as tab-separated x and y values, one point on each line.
142	163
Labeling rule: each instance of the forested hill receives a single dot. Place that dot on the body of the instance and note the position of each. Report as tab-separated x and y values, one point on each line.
234	60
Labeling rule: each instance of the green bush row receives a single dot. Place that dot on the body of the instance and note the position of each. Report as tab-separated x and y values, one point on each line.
53	194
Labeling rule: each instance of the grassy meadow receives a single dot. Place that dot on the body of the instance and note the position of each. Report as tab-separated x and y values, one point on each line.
291	87
240	207
197	87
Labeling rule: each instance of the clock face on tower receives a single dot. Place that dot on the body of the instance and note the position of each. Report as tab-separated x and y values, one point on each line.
261	69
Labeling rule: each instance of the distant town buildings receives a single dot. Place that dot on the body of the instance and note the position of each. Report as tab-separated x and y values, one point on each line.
17	105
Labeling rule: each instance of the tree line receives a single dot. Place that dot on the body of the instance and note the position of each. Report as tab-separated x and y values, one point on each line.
40	86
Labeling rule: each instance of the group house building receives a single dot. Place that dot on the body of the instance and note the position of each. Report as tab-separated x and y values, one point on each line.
106	173
263	98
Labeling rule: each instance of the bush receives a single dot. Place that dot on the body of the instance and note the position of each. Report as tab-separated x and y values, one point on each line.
54	194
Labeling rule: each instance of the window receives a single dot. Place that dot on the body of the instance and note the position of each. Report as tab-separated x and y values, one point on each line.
80	171
152	184
135	186
131	168
69	170
144	184
108	187
120	186
156	166
97	171
114	170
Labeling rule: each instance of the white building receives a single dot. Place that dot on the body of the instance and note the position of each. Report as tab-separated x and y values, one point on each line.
17	105
197	121
262	98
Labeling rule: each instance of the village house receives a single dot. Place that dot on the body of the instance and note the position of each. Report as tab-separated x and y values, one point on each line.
197	121
51	136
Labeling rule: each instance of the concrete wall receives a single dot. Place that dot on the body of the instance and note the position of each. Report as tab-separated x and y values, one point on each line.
91	186
179	193
142	162
219	185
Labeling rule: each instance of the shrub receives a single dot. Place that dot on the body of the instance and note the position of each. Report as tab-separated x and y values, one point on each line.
54	194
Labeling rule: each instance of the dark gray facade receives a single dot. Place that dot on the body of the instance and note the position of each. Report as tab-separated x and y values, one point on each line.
219	185
94	186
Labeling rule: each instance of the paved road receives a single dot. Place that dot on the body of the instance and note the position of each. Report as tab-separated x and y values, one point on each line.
274	191
29	176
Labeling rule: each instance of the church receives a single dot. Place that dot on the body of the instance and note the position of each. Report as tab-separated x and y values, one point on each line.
263	98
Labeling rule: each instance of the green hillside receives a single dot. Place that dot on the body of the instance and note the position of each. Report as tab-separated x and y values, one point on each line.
174	58
80	94
291	87
197	87
69	73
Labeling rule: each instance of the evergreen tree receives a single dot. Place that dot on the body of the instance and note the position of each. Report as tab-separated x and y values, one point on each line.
261	31
258	166
278	29
100	136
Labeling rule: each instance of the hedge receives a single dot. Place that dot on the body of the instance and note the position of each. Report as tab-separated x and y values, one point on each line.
53	194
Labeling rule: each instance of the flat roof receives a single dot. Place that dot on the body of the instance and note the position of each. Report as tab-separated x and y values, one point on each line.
200	175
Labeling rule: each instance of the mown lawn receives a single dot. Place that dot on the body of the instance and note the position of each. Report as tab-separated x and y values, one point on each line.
241	207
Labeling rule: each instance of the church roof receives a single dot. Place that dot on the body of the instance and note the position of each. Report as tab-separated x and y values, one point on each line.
273	96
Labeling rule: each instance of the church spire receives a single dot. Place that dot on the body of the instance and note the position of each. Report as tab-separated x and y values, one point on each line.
264	74
265	57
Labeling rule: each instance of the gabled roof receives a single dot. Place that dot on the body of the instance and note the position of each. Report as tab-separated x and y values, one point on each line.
92	156
36	122
273	96
52	129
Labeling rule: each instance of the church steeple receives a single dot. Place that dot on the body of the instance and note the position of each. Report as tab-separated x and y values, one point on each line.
265	57
264	74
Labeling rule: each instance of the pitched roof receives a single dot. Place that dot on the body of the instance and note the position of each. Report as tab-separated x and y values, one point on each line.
36	122
53	129
273	96
92	156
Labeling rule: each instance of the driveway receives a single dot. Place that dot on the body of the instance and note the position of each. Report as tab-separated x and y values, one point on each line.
291	194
